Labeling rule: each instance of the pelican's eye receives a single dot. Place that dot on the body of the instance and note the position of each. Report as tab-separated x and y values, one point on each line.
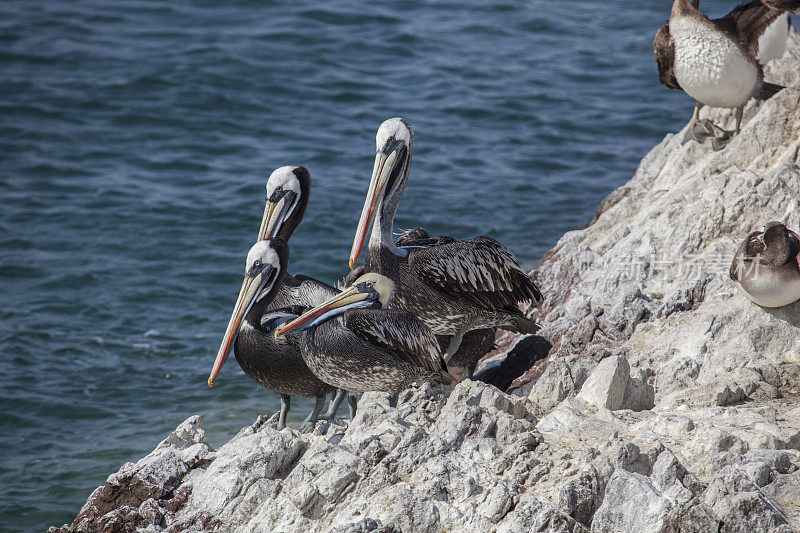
257	263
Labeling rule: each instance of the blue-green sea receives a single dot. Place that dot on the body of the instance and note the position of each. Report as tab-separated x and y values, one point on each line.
135	142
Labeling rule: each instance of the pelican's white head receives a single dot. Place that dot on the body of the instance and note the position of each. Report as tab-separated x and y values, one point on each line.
261	255
394	129
285	179
287	198
393	143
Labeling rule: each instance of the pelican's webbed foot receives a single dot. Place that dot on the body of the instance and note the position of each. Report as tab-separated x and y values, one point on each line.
311	420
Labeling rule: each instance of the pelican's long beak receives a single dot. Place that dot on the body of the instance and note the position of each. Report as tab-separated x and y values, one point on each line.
384	164
334	306
251	288
275	212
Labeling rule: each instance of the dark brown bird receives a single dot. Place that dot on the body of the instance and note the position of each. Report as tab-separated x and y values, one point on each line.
453	287
355	343
475	344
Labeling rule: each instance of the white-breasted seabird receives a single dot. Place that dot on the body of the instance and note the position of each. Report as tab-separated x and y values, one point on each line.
767	266
715	61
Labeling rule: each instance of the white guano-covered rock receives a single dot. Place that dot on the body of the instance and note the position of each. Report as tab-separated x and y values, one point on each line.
606	386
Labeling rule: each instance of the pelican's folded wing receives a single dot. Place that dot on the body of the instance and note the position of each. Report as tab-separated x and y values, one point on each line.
399	333
664	51
480	270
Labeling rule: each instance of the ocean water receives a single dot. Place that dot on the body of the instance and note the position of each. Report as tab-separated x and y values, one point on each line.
135	141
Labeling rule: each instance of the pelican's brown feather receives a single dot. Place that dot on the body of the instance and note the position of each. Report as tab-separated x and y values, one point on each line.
480	270
398	333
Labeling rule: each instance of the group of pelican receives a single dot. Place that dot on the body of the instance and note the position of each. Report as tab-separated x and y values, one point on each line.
719	62
400	318
404	314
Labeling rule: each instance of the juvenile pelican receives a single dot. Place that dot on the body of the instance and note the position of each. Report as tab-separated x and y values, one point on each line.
714	61
453	287
767	266
272	363
476	343
353	342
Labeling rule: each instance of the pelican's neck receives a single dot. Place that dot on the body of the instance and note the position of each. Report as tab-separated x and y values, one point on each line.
381	234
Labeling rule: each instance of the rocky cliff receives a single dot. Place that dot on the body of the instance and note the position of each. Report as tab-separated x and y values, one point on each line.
667	402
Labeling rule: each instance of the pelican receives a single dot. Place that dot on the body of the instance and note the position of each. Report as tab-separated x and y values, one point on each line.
767	266
455	286
353	342
287	193
476	343
272	363
288	190
714	61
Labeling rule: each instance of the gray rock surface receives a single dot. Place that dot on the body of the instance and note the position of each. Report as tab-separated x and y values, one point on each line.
668	401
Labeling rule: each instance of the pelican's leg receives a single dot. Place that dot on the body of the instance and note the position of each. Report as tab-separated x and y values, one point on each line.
286	402
393	400
699	130
352	403
336	400
455	342
722	141
313	416
471	371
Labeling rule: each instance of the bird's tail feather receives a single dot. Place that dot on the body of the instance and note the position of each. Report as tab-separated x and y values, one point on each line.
768	90
525	325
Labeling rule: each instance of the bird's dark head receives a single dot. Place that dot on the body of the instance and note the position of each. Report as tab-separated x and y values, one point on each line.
287	198
394	143
264	269
777	246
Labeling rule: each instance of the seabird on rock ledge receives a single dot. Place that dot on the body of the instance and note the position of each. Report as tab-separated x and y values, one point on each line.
476	343
353	342
767	266
714	61
276	364
453	287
